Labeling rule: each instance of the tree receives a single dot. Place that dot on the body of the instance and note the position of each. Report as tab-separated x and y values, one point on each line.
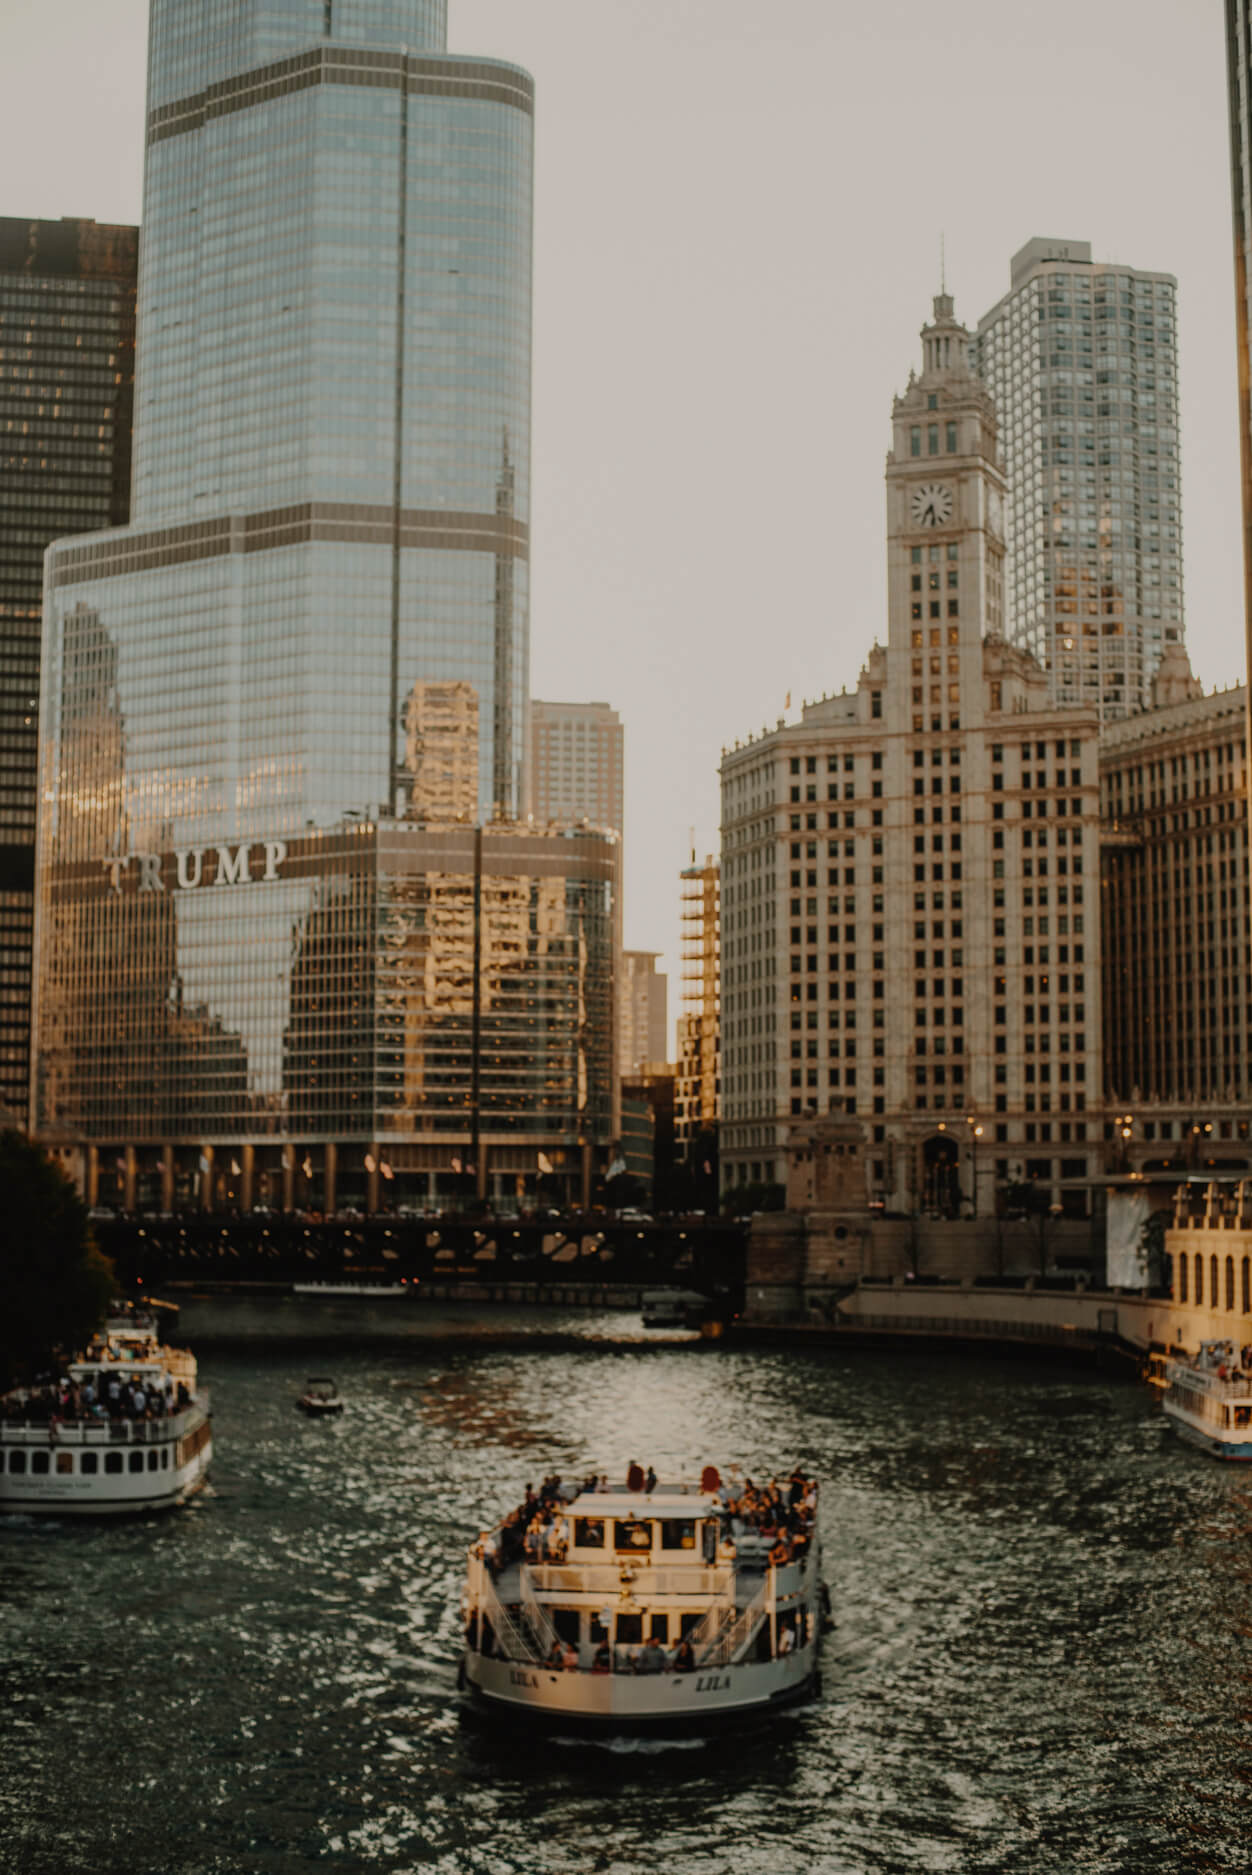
55	1286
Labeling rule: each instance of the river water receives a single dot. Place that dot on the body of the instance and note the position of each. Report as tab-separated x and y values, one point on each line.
1041	1659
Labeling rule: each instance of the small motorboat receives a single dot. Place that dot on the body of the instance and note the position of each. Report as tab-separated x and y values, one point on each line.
320	1399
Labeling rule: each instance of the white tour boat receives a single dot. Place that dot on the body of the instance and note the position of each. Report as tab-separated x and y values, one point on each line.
650	1611
126	1430
1209	1399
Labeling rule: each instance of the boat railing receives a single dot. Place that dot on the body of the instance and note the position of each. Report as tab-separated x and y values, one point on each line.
711	1629
733	1641
543	1634
511	1642
607	1579
104	1431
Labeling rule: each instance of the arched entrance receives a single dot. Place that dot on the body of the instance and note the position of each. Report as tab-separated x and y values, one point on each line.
941	1182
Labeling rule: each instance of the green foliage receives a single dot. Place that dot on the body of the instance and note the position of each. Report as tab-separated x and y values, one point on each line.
55	1286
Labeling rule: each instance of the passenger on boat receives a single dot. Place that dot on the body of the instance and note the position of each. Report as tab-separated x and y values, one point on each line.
603	1659
652	1659
684	1656
649	1483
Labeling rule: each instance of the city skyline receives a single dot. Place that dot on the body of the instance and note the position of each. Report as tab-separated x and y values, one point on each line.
825	286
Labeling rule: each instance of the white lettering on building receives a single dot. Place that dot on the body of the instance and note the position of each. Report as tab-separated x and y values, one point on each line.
232	871
234	867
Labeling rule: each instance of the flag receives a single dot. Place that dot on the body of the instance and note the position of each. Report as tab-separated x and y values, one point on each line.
545	1164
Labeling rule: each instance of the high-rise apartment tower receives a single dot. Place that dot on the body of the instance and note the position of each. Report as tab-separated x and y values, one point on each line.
67	358
1081	359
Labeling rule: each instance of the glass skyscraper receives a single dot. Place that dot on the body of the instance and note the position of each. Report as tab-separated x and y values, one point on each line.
315	627
1081	358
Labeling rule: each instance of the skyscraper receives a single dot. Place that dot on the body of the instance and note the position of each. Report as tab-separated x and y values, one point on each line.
910	873
576	763
312	639
1081	359
1239	84
67	341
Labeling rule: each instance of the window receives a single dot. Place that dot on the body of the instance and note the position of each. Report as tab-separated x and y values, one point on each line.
112	1461
932	439
17	1461
632	1535
1230	1285
39	1461
915	441
951	439
588	1531
65	1460
90	1462
136	1461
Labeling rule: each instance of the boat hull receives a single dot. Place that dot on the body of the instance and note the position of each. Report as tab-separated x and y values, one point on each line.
630	1704
1237	1450
71	1492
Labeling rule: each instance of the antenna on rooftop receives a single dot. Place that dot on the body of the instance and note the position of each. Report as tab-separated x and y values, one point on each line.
943	268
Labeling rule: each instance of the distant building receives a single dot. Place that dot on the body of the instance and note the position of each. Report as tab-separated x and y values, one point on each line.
697	1094
642	1020
67	341
910	873
1081	358
576	764
1177	960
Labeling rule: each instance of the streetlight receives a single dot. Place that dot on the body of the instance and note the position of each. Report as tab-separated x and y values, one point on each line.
1123	1127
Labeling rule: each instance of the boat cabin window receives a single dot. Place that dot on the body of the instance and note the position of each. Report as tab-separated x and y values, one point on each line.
17	1461
89	1463
660	1629
39	1461
136	1461
567	1622
687	1624
165	1458
588	1533
597	1631
631	1535
678	1533
113	1461
629	1630
65	1462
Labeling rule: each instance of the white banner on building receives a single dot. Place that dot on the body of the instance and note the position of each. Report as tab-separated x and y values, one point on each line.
1127	1259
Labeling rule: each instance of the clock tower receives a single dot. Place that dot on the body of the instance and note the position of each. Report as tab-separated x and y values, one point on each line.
945	540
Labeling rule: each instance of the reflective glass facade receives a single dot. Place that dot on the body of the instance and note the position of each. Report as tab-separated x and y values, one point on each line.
1081	358
317	618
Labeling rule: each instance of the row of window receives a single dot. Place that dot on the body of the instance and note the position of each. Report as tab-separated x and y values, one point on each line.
1214	1299
88	1463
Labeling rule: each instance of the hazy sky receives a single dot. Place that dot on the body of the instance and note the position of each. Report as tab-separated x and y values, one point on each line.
739	206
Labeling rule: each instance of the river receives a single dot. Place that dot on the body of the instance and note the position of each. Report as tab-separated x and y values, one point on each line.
1041	1658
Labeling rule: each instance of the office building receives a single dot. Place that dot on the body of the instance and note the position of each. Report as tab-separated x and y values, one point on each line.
67	355
697	1090
642	997
1239	95
1177	963
576	764
1081	358
314	630
910	872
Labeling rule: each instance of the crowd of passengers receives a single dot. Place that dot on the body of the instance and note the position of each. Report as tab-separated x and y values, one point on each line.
106	1394
778	1514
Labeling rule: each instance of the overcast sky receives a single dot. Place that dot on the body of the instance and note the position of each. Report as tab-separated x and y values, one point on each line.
739	207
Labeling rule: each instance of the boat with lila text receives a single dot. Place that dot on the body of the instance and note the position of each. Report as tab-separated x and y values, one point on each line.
646	1607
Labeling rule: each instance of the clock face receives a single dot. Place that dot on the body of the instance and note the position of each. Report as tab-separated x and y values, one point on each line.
931	505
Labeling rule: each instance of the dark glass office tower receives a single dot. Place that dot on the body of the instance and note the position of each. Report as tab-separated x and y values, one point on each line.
67	353
314	632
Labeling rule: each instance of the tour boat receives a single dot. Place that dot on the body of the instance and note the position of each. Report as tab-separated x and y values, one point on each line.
110	1455
672	1308
649	1611
1208	1400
